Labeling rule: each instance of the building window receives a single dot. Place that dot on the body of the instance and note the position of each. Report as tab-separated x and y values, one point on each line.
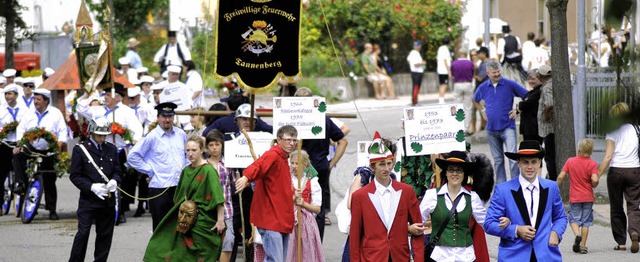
542	11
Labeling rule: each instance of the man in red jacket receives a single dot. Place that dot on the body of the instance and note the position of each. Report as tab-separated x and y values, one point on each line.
272	205
380	212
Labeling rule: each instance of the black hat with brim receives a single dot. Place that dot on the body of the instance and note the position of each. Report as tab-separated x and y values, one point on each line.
457	158
166	108
528	148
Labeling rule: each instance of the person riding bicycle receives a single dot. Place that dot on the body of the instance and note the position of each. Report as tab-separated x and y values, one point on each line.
95	170
10	112
52	120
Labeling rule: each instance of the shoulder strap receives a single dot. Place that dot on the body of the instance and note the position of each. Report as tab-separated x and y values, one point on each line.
93	162
436	238
179	52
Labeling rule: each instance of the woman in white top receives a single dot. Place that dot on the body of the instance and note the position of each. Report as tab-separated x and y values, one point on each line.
623	179
605	52
456	242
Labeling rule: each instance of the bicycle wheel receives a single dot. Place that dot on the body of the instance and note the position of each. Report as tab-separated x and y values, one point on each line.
32	199
8	194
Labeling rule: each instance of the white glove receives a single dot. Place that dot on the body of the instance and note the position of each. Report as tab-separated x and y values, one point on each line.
100	189
112	185
40	144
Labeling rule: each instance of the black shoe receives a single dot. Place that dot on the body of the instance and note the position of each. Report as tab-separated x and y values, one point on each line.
139	212
121	219
53	216
576	244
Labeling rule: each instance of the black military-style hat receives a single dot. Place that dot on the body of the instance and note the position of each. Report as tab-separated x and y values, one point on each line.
118	89
166	109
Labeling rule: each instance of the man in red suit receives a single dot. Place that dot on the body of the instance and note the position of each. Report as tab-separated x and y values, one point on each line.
380	212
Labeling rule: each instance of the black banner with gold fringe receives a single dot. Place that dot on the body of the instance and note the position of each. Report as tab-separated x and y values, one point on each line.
258	41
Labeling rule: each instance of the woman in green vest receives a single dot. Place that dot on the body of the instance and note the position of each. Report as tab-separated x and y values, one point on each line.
456	241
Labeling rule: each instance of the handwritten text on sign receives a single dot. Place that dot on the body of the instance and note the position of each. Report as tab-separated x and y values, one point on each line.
306	114
434	129
237	153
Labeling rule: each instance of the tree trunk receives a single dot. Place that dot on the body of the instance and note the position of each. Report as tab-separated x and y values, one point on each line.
10	20
563	105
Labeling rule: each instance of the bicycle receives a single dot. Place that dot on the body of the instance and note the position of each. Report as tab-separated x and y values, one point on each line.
8	193
27	206
8	183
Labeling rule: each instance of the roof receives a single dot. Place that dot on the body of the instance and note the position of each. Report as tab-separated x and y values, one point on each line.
67	78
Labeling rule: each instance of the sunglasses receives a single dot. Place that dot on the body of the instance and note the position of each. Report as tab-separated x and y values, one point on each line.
29	85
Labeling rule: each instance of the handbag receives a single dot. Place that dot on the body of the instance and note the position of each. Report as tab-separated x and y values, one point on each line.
343	214
435	238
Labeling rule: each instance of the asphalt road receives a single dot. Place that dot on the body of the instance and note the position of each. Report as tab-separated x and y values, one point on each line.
45	240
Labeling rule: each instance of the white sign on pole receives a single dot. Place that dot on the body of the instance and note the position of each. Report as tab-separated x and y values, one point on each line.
237	153
434	129
178	94
363	153
306	114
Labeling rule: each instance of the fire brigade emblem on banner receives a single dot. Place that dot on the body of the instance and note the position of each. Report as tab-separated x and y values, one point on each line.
258	41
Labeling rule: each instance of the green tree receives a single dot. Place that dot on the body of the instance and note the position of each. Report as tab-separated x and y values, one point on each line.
393	24
15	29
128	16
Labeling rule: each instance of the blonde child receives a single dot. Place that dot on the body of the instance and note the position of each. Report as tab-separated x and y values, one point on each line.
583	173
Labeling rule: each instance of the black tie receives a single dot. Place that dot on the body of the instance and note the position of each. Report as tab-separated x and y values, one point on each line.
531	187
100	148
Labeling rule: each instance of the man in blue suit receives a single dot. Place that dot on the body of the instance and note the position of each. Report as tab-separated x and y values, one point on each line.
534	208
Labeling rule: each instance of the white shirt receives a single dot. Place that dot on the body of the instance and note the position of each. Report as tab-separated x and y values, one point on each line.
527	197
605	54
26	102
316	190
124	116
527	53
414	58
428	204
172	54
145	114
442	56
51	120
7	116
625	152
539	57
194	82
384	194
493	51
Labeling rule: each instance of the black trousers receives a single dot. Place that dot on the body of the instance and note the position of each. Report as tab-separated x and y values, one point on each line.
128	183
247	197
48	176
624	182
323	180
160	205
105	221
143	188
550	156
416	81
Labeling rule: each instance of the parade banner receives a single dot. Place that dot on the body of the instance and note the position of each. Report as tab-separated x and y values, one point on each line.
434	129
306	114
237	153
258	41
93	66
176	93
